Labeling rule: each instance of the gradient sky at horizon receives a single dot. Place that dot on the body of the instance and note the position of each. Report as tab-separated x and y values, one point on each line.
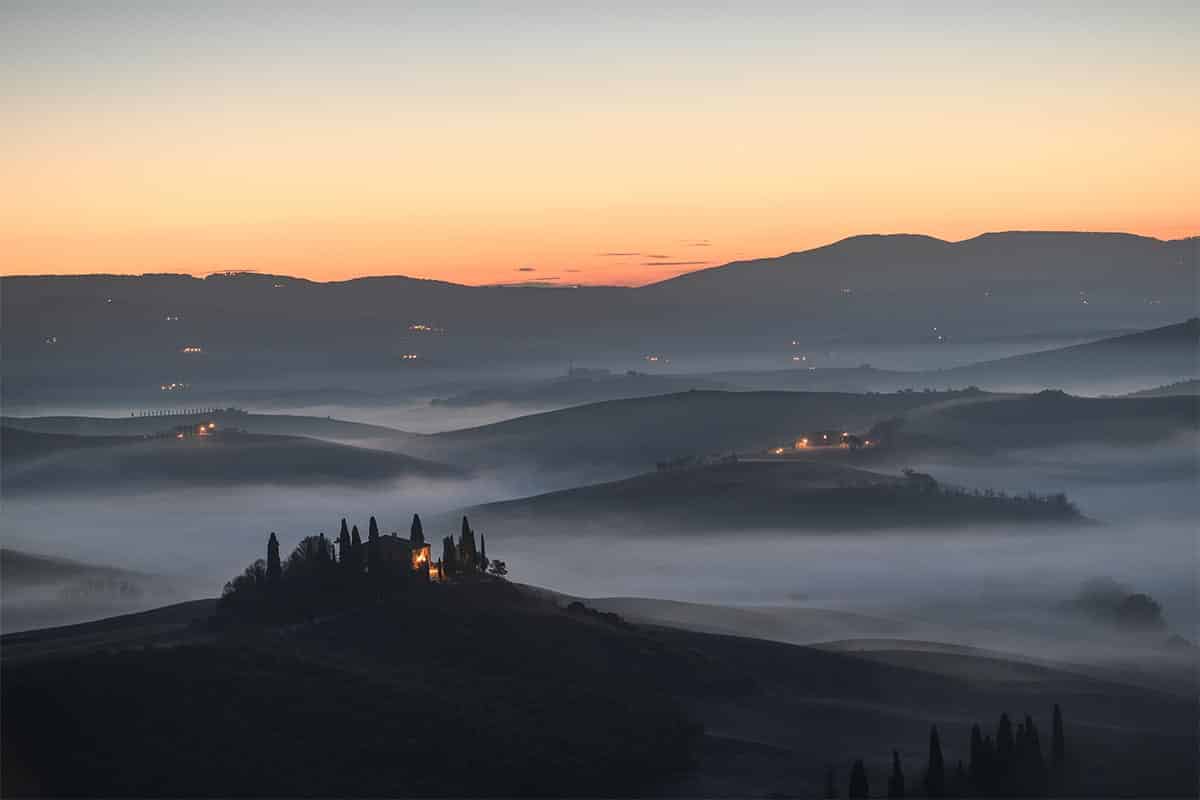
577	143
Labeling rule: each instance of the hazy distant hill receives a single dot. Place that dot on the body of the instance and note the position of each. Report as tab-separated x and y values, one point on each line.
582	386
89	337
771	495
1191	387
38	590
273	424
621	437
60	462
993	423
1160	354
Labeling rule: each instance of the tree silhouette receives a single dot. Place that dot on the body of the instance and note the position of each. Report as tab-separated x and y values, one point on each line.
858	782
1058	744
374	557
274	568
416	533
344	546
1005	755
830	788
896	779
935	770
356	549
483	559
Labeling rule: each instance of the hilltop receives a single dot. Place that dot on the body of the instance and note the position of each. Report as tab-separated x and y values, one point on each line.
787	495
52	462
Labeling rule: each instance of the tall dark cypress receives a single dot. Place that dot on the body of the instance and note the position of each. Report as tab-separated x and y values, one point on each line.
343	544
416	533
896	779
274	567
858	782
976	768
374	557
483	559
830	787
356	549
935	770
1058	743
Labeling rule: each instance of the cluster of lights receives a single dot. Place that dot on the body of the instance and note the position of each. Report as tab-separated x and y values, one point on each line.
192	348
51	340
171	318
421	327
409	357
653	359
173	387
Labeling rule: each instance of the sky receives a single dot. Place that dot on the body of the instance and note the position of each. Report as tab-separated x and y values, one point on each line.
577	143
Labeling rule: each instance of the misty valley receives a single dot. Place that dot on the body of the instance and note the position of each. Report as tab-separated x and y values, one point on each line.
948	572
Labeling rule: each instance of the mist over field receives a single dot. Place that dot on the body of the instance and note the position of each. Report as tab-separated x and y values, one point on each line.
979	585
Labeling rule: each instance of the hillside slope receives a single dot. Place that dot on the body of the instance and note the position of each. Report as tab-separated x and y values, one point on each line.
68	462
536	698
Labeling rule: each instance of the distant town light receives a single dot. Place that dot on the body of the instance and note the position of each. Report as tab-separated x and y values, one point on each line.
192	348
410	356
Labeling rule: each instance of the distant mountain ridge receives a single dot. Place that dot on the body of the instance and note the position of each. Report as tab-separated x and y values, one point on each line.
97	336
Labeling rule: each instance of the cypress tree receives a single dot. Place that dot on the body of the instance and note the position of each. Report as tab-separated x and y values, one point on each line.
416	534
830	788
274	568
374	557
356	550
935	771
1036	761
1058	744
975	766
483	559
858	782
896	779
343	543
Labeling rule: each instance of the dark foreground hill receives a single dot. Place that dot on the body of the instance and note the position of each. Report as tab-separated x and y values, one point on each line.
41	462
782	494
483	689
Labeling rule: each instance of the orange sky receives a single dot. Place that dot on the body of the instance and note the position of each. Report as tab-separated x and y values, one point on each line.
331	150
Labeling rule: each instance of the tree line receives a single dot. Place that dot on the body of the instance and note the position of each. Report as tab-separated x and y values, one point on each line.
1009	764
323	574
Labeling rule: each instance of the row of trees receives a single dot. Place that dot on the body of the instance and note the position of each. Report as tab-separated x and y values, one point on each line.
1009	765
322	573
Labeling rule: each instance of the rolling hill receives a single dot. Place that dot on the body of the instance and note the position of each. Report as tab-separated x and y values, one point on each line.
778	495
271	424
60	462
623	437
539	697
